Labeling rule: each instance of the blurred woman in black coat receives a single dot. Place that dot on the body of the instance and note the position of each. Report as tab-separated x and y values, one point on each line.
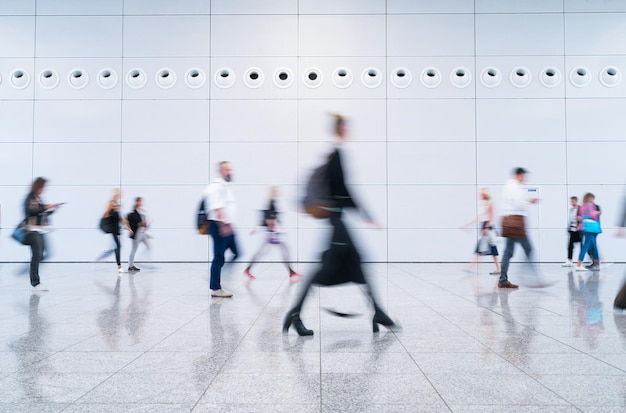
341	262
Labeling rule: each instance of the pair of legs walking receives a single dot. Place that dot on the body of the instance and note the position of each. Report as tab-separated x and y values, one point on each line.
341	263
220	245
140	237
574	237
590	245
118	249
283	249
37	248
509	248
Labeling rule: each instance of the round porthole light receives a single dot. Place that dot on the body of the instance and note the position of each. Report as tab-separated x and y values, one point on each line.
342	77
253	78
401	77
490	77
283	78
224	78
49	79
312	78
430	77
195	78
371	77
107	78
78	78
550	77
461	77
136	78
166	78
520	77
579	77
20	79
610	76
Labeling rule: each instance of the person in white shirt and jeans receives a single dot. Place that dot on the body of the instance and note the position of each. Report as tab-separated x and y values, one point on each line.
222	208
515	202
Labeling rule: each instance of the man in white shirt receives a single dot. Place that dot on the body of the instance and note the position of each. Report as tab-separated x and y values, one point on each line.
221	217
514	204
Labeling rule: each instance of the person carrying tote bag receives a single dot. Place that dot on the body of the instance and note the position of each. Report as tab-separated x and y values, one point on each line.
487	244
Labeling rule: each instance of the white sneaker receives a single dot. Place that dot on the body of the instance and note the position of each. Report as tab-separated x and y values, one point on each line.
581	268
220	293
567	264
121	270
40	287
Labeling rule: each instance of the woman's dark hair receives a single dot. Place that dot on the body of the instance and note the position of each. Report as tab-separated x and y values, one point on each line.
38	184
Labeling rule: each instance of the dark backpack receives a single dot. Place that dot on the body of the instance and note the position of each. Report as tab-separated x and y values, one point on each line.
202	223
316	201
107	225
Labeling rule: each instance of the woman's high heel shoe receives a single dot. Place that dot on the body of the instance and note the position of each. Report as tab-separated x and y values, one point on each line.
294	320
383	319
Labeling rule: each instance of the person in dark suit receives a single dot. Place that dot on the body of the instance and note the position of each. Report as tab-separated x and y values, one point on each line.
341	262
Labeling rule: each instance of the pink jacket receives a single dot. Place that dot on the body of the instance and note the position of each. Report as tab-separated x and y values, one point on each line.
588	209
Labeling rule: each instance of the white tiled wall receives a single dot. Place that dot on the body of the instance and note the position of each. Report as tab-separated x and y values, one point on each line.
78	36
443	98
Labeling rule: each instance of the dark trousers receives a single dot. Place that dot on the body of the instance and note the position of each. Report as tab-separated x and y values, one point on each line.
508	253
574	237
118	248
37	248
220	245
341	263
231	244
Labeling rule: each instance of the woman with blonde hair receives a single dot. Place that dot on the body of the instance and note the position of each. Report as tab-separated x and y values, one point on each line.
110	223
487	242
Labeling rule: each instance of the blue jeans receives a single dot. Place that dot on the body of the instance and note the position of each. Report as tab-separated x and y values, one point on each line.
220	245
589	245
508	253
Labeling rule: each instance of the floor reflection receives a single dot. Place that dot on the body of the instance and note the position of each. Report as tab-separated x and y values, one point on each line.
586	305
112	319
96	342
28	350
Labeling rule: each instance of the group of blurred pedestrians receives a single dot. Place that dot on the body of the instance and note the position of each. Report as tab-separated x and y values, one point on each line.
341	262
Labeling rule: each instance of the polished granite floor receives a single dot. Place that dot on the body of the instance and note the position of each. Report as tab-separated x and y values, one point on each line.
156	342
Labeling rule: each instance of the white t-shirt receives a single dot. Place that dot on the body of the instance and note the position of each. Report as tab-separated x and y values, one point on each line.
483	216
220	196
573	219
514	198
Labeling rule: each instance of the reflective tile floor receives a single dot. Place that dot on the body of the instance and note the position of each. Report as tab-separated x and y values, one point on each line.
156	342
